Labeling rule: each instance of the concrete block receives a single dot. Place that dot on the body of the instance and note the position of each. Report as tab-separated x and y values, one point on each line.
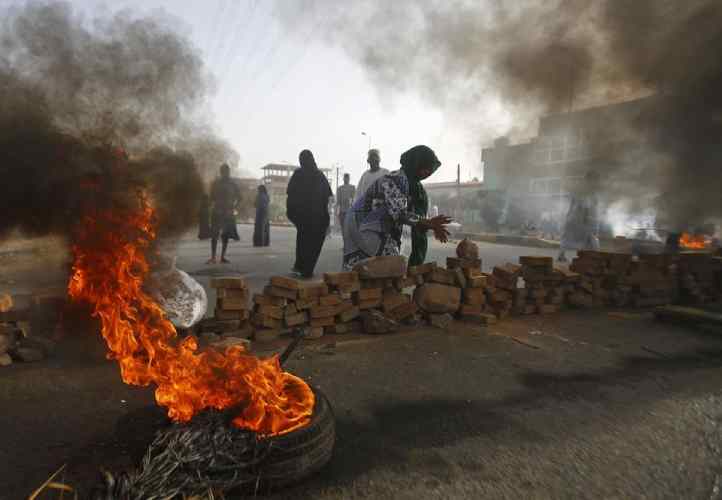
389	266
437	298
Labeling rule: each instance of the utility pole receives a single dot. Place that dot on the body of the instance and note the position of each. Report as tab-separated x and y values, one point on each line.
458	190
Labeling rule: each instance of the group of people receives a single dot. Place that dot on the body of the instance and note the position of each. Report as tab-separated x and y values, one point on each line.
372	216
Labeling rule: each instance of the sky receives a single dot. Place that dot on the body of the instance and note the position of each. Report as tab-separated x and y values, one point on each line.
275	96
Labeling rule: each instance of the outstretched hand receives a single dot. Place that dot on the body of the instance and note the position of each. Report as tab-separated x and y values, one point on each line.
438	226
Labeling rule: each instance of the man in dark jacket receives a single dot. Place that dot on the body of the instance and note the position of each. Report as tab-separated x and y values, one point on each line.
307	208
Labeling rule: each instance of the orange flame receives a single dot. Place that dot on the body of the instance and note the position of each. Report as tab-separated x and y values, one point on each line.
692	241
108	271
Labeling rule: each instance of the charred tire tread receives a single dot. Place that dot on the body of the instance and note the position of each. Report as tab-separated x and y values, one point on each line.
301	453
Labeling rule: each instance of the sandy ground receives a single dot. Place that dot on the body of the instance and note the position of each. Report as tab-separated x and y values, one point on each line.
590	404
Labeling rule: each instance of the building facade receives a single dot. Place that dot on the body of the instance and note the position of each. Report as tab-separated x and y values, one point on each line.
538	176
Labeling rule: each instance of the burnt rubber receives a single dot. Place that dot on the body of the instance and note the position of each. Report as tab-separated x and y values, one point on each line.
301	453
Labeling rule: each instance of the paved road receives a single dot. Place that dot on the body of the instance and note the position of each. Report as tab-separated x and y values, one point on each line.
590	404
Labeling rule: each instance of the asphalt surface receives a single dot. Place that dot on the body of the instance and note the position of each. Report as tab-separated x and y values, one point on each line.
580	404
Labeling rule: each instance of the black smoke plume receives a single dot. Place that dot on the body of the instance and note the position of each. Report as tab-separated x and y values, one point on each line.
537	57
94	110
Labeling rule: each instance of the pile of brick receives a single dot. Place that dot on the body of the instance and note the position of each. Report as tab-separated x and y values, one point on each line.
231	320
699	277
546	289
287	303
616	279
458	290
380	294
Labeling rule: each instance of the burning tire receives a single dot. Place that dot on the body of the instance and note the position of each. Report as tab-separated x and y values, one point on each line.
302	452
207	454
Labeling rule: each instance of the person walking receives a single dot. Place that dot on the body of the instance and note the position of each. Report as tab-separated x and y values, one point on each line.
262	226
372	174
344	198
374	224
307	208
581	228
224	199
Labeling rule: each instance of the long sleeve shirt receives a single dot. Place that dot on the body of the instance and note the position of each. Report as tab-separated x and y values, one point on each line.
344	197
367	179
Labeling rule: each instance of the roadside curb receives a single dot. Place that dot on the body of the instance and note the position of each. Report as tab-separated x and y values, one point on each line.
505	239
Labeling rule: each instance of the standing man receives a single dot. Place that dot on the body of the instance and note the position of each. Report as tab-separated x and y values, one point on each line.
224	200
581	228
374	172
307	208
344	198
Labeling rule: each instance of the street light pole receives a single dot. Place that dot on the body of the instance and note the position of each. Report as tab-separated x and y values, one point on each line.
369	137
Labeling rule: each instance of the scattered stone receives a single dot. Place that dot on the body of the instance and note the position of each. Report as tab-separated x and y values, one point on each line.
27	354
404	311
388	266
349	314
5	359
376	323
436	298
467	249
442	321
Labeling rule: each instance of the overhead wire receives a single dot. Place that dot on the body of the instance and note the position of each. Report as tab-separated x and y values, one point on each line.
280	76
222	35
236	30
249	24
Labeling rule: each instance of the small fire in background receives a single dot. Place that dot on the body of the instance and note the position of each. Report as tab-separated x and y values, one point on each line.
108	272
693	241
6	302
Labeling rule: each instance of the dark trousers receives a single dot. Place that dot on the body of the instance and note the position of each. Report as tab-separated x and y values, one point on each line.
309	241
342	219
261	234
